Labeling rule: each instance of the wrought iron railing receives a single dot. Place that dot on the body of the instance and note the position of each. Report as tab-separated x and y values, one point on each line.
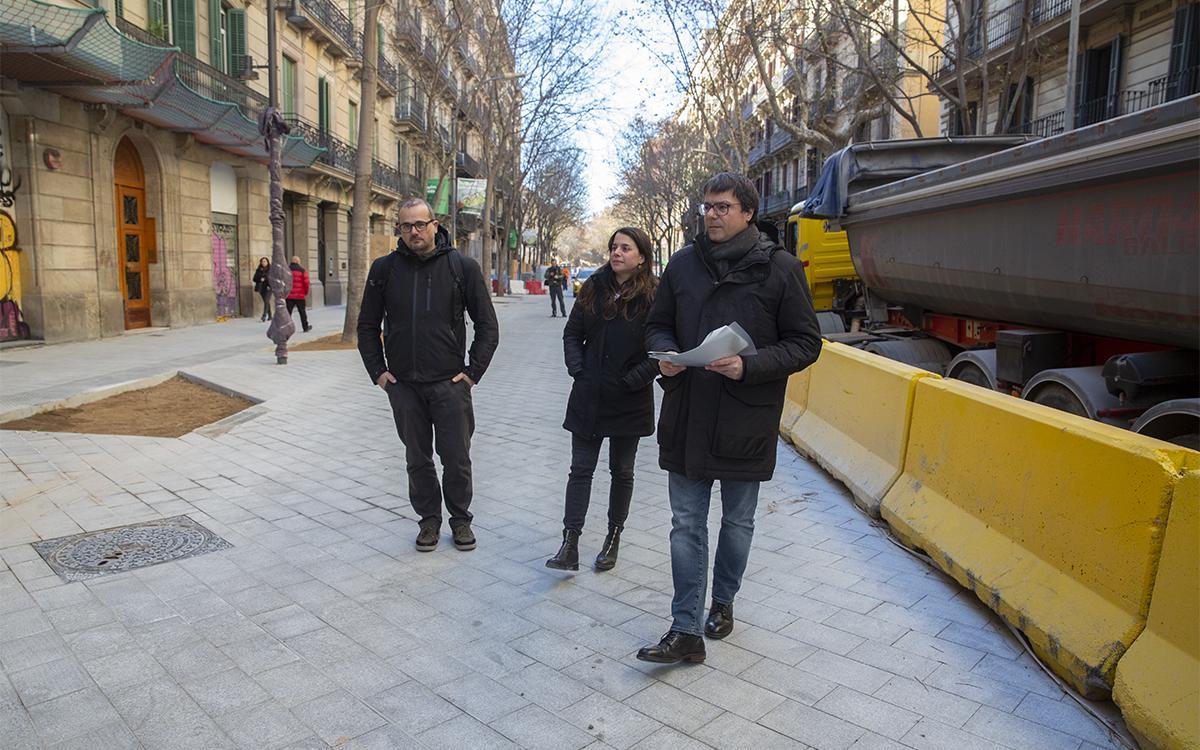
443	136
332	18
387	72
409	30
201	77
1051	124
781	200
411	110
1157	91
387	177
757	153
468	163
338	154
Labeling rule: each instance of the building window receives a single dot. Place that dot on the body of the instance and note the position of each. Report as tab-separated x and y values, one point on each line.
1184	78
173	21
323	104
352	123
1097	88
226	38
288	87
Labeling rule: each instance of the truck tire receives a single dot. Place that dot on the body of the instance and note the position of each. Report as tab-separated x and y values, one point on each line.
1176	421
969	372
1060	397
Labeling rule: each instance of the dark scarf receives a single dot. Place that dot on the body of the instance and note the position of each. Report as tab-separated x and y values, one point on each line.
724	255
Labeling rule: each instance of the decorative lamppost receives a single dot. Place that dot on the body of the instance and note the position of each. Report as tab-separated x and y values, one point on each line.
273	127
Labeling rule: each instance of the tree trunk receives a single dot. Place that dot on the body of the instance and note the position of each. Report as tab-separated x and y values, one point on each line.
359	252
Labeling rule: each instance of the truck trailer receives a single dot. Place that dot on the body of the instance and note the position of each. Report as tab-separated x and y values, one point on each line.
1063	270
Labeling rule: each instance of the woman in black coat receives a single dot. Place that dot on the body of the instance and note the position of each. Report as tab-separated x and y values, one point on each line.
612	396
262	284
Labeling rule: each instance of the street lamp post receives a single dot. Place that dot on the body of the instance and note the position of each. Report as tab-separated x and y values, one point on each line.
273	127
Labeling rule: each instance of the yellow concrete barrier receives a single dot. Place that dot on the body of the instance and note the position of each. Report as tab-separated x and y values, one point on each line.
856	420
795	402
1054	521
1158	678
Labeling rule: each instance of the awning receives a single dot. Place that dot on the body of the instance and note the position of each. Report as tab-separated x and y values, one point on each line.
77	53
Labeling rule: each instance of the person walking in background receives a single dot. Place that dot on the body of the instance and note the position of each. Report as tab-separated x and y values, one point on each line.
604	350
299	292
721	421
262	285
554	285
418	294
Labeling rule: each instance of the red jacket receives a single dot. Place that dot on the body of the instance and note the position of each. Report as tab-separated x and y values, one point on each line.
299	282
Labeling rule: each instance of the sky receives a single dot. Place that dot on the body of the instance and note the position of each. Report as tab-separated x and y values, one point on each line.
632	82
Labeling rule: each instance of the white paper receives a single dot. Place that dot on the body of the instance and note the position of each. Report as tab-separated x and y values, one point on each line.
722	342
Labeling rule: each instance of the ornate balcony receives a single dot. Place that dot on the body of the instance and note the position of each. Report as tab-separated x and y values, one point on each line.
387	177
468	166
327	23
338	154
201	77
410	113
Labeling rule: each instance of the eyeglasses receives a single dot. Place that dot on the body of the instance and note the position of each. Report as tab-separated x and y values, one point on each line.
720	209
406	228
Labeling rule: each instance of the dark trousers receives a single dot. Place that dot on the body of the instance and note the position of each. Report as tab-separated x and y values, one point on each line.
440	415
292	304
266	298
585	452
556	294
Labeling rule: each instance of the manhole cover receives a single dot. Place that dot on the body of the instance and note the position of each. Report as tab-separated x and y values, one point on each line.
96	553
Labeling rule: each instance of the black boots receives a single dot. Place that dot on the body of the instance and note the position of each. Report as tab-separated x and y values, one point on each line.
674	648
608	553
719	622
568	554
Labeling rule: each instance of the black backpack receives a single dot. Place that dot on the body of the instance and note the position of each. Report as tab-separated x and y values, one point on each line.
456	271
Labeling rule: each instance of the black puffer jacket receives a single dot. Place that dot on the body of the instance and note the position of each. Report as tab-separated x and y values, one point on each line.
612	394
712	427
426	331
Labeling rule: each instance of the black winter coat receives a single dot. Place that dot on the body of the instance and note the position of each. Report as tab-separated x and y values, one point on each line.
426	332
612	394
711	427
262	281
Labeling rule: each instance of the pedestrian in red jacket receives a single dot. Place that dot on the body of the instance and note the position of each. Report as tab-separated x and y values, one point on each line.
299	292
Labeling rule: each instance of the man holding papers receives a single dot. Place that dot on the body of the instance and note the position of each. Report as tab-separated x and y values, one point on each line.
720	417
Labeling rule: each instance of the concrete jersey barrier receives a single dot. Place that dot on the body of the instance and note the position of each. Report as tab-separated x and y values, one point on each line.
1054	521
855	423
1158	678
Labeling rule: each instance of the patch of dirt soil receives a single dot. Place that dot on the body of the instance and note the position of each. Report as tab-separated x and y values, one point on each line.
329	343
170	409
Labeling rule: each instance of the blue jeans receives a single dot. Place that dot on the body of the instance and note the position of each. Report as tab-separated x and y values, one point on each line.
689	545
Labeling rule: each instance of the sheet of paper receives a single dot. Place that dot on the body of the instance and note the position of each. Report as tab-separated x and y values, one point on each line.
722	342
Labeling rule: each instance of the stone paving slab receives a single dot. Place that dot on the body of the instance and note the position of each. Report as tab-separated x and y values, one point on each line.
323	627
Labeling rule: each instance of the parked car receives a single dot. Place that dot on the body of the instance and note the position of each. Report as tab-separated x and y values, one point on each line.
579	277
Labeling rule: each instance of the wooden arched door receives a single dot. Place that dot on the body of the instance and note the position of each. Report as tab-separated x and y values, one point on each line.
135	236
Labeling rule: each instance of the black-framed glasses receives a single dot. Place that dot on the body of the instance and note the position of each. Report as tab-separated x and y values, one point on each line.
720	208
406	228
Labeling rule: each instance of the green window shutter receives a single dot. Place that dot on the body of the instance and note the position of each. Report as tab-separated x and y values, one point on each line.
216	50
288	84
183	26
353	8
352	117
156	21
323	104
379	34
119	8
236	39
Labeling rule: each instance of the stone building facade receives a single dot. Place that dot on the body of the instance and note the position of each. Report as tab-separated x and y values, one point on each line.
138	181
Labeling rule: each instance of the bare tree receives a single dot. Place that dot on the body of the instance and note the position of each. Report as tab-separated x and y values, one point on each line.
662	166
558	199
359	252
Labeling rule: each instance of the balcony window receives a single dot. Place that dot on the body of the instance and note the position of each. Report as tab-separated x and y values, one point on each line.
288	87
1185	53
174	21
323	104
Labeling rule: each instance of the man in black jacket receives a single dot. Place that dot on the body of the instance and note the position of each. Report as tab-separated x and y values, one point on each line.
721	422
418	293
554	285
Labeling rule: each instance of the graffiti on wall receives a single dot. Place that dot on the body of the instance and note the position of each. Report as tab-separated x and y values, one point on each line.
224	269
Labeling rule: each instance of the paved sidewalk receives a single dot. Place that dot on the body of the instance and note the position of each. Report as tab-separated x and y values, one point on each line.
322	627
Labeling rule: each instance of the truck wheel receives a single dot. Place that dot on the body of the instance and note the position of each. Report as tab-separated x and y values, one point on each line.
969	372
1060	397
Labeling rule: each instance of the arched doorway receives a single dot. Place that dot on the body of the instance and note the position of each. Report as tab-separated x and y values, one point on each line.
135	239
